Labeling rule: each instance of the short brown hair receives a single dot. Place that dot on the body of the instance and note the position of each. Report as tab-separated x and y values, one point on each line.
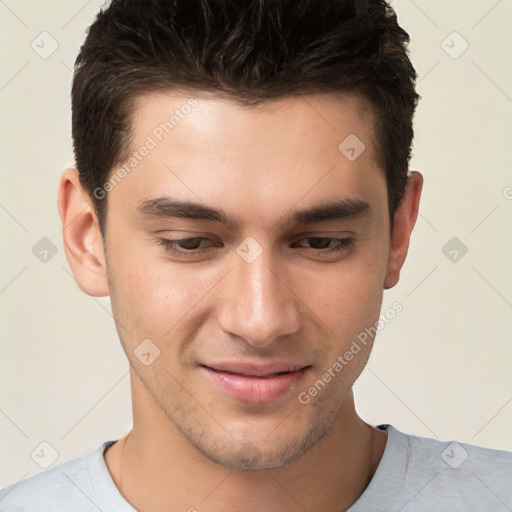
250	50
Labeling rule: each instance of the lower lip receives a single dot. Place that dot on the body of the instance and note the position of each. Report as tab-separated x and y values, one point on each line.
254	389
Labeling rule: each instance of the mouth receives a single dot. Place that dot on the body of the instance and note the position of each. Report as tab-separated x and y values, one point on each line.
255	384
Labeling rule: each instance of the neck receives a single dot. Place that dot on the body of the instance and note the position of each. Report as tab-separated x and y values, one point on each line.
156	468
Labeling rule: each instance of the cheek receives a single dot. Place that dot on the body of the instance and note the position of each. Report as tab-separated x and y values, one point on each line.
142	294
152	297
347	298
146	296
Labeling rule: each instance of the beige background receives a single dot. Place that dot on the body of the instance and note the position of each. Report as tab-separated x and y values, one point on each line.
441	368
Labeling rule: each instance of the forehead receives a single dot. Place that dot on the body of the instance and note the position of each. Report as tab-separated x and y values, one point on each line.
210	149
209	116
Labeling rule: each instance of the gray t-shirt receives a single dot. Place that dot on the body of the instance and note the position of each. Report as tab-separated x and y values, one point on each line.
415	474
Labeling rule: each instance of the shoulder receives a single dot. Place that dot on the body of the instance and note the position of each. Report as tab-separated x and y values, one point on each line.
55	489
454	456
461	475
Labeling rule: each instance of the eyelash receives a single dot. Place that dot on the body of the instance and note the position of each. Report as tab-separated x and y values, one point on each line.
172	245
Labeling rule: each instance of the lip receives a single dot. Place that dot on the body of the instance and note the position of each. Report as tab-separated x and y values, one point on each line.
255	383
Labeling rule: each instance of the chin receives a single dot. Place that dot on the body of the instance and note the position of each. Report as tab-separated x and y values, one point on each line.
250	458
246	455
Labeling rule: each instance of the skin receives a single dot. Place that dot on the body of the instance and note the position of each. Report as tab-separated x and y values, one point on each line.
192	446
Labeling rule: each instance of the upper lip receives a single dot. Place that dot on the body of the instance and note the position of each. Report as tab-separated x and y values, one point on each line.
256	370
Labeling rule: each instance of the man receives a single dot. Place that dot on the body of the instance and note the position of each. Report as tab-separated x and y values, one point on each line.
242	194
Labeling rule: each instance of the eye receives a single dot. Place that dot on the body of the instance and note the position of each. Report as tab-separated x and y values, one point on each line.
182	246
326	244
194	246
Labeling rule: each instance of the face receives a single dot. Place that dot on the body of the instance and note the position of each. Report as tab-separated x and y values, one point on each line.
243	244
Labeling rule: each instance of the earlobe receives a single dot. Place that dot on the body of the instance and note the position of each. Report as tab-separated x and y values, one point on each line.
405	219
82	238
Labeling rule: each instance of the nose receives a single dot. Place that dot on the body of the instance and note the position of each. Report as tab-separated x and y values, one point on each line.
258	305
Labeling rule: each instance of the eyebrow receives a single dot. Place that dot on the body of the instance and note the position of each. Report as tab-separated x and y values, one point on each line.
324	211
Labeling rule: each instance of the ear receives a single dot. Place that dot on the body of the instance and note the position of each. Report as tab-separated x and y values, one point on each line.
405	218
82	238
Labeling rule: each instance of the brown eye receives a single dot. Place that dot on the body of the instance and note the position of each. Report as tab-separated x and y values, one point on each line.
319	243
183	246
325	244
189	243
